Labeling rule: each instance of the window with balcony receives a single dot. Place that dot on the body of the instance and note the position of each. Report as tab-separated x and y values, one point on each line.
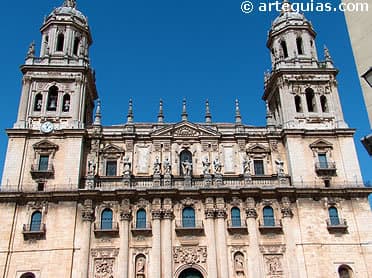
323	163
42	168
235	217
35	229
269	225
43	163
188	217
141	219
335	223
258	167
106	219
111	168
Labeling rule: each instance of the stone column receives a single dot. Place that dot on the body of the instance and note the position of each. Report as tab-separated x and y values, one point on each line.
254	254
211	241
81	262
25	97
156	245
123	257
289	229
221	243
166	241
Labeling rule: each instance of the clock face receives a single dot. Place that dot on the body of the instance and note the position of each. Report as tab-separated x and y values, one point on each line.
47	127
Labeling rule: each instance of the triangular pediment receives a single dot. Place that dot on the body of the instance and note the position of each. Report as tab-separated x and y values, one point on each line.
321	144
45	145
258	148
185	130
110	148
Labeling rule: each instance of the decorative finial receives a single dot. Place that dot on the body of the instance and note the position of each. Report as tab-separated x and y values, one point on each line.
31	50
238	117
161	114
327	56
184	112
98	116
208	116
70	3
130	112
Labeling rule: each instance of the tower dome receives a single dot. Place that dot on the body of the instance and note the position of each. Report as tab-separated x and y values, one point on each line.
291	39
68	11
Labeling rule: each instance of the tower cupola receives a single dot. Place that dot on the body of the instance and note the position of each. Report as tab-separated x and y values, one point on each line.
291	40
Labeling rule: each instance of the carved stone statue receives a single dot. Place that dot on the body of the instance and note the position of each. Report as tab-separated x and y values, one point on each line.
31	50
247	165
39	105
92	166
66	106
279	167
186	168
167	167
127	167
141	267
217	166
239	264
206	166
274	266
157	167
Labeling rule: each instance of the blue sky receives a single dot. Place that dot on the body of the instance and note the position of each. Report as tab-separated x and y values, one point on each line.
198	49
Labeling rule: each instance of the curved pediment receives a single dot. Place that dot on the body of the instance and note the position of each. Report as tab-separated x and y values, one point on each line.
185	130
321	144
45	145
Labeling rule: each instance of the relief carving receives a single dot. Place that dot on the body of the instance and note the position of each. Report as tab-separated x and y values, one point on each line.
104	268
274	268
190	255
186	132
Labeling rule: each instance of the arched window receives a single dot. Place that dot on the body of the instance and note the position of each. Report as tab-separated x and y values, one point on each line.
60	42
268	216
52	98
299	44
284	48
298	104
141	219
76	46
190	273
333	216
38	102
106	219
35	221
235	217
28	275
188	217
323	103
185	157
345	271
66	103
310	100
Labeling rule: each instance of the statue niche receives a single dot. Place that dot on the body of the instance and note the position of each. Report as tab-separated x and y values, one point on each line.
141	266
239	265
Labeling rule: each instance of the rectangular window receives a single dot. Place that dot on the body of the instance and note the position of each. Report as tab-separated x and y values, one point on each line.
258	167
323	163
43	163
111	168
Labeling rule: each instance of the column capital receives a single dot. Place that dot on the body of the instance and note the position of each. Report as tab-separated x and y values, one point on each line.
156	214
251	213
209	213
168	214
221	213
126	215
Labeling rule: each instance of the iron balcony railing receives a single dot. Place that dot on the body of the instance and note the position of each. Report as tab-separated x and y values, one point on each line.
236	223
37	172
325	166
141	225
34	228
106	228
189	224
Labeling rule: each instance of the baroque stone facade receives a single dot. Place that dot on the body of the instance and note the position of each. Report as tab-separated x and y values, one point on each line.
164	200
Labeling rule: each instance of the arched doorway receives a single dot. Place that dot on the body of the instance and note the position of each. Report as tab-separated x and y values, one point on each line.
191	273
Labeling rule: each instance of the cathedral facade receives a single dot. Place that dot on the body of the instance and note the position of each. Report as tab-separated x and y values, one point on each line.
182	200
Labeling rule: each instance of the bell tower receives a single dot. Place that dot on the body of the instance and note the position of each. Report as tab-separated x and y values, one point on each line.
301	91
59	85
302	101
56	106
